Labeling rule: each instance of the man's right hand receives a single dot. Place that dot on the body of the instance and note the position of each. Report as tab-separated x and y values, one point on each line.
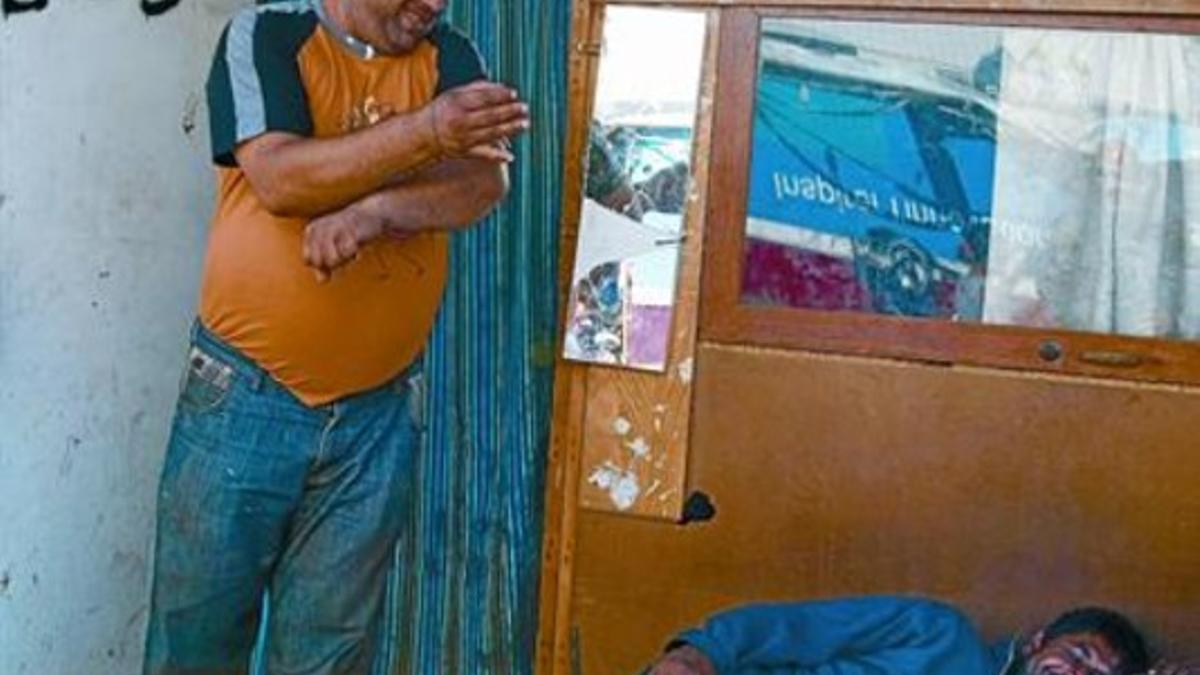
684	660
476	120
334	240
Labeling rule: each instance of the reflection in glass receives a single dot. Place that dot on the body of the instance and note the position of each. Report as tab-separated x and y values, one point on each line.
1020	176
635	188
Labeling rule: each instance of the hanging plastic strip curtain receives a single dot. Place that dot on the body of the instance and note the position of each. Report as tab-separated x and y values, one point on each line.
463	598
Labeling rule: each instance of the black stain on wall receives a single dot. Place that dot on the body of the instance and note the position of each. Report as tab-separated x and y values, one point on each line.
20	6
191	108
149	7
157	7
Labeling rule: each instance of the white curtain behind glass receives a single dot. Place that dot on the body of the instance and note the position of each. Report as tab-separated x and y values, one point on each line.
1096	210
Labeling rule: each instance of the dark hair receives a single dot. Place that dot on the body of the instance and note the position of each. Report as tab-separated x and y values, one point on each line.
1116	630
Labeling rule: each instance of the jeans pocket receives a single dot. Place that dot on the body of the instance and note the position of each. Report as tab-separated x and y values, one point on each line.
206	383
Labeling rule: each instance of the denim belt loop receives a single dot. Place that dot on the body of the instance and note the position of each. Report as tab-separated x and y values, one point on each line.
403	382
255	379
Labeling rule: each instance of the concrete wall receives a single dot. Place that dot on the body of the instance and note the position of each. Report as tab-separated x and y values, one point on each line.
105	191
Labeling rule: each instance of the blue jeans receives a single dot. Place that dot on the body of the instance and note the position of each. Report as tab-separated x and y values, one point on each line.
260	493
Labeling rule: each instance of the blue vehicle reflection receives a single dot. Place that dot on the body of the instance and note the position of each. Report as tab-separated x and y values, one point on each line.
871	179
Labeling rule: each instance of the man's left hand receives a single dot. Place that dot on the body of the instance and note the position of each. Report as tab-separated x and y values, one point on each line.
334	239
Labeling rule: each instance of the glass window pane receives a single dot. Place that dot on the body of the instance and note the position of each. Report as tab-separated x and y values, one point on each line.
1034	177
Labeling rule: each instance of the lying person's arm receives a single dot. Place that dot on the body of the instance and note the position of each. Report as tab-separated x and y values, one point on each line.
841	637
450	195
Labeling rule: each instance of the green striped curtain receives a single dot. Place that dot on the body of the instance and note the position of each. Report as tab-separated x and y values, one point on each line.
463	598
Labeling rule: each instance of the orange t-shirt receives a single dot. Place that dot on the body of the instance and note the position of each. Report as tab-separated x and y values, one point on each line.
280	67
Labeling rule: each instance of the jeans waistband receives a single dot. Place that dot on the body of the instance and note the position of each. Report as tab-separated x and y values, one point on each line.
256	377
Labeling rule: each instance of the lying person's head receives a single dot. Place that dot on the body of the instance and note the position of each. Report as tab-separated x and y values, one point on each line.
1088	641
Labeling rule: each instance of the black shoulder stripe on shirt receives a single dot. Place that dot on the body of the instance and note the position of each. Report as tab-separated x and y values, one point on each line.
459	61
254	85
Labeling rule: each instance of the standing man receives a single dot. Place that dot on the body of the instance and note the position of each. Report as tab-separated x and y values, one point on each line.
349	136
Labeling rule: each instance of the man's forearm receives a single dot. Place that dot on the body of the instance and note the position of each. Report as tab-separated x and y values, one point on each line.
449	195
303	177
300	177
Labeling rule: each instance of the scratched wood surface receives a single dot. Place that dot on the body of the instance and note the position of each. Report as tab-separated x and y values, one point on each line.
1013	496
635	431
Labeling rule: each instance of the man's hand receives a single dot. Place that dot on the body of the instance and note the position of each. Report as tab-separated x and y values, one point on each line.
306	177
476	120
684	660
334	239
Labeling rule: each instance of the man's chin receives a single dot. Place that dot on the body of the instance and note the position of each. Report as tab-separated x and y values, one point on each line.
404	36
398	45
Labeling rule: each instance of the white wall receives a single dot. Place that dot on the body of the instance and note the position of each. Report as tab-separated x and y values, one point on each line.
104	198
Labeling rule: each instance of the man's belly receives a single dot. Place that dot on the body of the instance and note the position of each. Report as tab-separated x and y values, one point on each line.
322	341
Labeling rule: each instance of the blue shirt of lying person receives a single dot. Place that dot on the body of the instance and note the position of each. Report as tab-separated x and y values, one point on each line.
897	636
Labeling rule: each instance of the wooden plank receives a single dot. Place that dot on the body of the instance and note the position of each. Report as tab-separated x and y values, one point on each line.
733	117
635	432
637	423
1009	347
552	651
